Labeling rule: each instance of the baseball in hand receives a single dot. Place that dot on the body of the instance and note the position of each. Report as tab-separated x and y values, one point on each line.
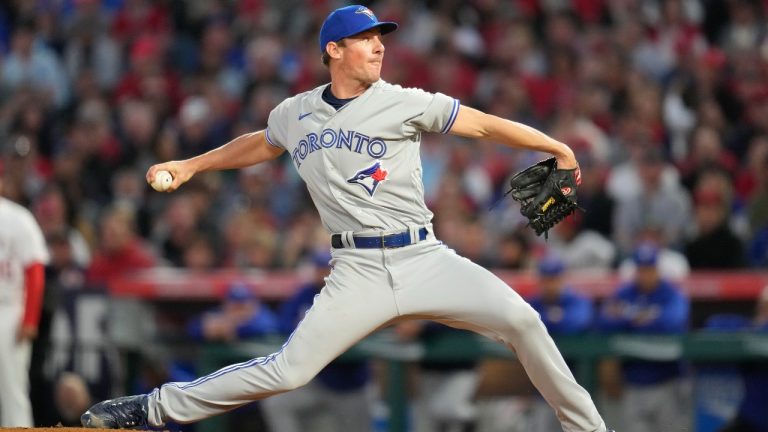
162	182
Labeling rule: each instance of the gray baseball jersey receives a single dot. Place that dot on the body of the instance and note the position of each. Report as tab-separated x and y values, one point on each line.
362	168
361	164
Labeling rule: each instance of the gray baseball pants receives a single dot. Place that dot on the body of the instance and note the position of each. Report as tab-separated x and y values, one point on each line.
367	290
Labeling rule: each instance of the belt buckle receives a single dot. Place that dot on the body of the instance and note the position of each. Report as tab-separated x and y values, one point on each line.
383	240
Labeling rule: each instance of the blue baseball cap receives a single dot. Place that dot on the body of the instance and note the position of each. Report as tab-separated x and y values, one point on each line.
646	255
348	21
239	292
551	266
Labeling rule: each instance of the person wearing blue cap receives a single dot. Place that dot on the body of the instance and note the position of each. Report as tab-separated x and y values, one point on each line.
563	310
356	143
654	394
240	316
349	21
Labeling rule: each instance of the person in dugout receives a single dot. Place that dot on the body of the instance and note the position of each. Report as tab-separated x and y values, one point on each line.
655	395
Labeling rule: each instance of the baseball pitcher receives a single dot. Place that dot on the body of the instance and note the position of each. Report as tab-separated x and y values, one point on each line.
355	142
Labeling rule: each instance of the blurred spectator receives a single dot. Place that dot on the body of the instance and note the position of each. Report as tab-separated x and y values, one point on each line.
196	121
149	78
241	315
757	251
72	398
714	245
707	153
593	198
563	312
216	54
513	251
654	392
581	249
128	189
474	243
745	29
259	250
757	210
654	203
95	149
341	389
140	17
52	213
120	250
31	63
89	48
29	116
749	181
178	228
138	129
249	239
674	34
673	265
625	181
302	237
586	139
749	83
199	255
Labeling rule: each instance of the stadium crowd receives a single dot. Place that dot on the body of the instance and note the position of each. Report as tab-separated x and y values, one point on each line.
664	102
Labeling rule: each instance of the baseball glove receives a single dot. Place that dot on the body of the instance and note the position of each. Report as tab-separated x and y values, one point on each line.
546	194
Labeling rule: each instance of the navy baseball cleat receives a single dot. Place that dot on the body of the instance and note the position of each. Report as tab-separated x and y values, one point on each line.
127	412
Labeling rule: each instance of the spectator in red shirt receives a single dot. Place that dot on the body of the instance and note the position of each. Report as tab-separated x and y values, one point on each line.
121	250
138	17
149	79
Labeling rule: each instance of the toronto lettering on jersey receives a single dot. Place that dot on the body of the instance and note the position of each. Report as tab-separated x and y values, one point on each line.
329	139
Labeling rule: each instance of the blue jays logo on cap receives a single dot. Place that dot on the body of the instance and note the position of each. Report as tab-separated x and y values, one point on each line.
351	20
369	178
365	10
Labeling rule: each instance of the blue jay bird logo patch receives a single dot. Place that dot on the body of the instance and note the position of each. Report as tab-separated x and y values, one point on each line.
369	178
364	10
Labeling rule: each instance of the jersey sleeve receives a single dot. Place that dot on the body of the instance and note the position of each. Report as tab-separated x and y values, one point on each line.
32	247
277	129
430	112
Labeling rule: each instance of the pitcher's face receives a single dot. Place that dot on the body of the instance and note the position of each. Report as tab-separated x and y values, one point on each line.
362	56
